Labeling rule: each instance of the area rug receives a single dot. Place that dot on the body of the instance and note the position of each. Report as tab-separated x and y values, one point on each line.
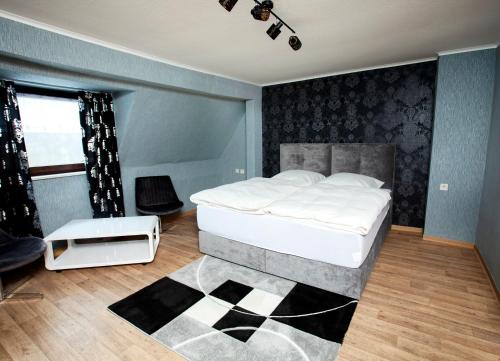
216	310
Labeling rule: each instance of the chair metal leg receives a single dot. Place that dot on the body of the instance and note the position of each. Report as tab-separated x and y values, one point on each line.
9	294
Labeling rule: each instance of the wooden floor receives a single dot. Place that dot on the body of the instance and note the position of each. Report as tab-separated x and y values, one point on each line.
423	302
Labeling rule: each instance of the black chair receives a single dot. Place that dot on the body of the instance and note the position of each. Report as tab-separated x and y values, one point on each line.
156	196
16	252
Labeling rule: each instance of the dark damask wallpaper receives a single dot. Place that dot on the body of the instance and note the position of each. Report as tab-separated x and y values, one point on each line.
390	105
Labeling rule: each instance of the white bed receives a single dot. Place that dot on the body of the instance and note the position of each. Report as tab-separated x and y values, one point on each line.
304	238
300	236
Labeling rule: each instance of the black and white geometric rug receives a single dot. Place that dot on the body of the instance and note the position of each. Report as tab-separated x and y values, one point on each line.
216	310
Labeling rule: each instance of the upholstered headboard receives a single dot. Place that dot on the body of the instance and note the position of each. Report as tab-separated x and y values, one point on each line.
314	157
374	160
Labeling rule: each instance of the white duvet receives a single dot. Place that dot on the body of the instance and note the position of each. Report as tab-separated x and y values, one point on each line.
251	196
348	208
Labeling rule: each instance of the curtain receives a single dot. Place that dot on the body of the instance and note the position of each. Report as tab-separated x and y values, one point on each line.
18	213
101	154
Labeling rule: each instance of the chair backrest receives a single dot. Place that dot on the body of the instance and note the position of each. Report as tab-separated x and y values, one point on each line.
154	191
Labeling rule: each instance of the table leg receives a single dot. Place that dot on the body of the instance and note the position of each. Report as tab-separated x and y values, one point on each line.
49	256
158	230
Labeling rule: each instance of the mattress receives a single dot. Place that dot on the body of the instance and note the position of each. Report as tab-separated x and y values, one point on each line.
304	238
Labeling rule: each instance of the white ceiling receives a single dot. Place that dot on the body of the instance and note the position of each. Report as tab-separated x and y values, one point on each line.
337	35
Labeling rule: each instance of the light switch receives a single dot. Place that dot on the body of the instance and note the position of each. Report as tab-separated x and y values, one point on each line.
237	170
443	187
242	171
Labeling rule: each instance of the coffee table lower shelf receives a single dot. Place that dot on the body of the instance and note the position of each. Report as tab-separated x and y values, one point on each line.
103	254
96	243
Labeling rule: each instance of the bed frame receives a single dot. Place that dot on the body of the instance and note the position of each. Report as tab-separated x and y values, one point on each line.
375	160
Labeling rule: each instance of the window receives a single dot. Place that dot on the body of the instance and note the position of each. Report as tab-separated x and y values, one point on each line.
52	132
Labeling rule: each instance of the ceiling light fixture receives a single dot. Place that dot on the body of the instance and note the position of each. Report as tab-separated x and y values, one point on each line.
262	11
274	30
294	42
228	4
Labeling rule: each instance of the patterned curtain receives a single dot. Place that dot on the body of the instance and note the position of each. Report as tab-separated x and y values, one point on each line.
101	154
18	213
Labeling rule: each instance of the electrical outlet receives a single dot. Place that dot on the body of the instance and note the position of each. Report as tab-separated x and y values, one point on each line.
443	187
237	170
242	171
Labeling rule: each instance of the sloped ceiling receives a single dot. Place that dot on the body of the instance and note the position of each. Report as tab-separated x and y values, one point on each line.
338	35
154	125
161	126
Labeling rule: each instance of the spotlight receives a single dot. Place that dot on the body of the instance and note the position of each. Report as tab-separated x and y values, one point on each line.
274	30
295	42
228	4
262	11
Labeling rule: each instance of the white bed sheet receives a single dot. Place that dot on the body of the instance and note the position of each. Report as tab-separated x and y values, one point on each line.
304	238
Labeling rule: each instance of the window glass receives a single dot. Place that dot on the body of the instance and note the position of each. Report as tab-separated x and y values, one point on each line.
51	130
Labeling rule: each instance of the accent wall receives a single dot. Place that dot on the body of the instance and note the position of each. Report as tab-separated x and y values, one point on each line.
461	126
389	105
488	227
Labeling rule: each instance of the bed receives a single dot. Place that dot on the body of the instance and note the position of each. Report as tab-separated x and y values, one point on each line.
304	250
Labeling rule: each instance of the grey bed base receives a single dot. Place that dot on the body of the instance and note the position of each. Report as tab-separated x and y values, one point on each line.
343	280
376	160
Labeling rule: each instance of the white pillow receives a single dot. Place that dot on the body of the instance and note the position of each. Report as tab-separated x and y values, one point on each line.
300	178
353	179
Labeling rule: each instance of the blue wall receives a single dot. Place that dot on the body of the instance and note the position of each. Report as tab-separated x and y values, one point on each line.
163	126
37	46
59	200
488	228
232	155
193	126
460	136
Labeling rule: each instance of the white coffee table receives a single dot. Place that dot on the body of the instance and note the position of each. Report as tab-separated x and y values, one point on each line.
135	249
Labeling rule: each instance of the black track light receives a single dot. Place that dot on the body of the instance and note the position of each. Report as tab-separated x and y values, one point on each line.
262	11
295	42
274	30
228	4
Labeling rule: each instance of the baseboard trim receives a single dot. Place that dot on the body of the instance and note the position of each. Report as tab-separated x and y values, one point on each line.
449	242
494	288
409	230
